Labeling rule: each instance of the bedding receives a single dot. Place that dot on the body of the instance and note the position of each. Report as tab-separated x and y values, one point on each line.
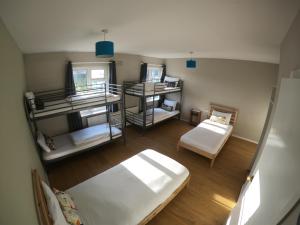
128	192
42	142
92	133
171	103
65	146
159	115
227	116
169	79
208	136
55	211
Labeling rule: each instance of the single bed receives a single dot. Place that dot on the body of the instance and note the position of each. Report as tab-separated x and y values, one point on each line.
133	116
130	193
70	143
209	137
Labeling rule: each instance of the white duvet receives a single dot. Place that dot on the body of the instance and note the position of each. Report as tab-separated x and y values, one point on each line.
129	191
207	136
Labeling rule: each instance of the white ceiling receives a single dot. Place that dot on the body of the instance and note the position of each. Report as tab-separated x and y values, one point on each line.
235	29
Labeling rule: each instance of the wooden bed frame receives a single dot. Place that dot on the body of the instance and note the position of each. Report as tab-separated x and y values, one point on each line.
42	208
212	157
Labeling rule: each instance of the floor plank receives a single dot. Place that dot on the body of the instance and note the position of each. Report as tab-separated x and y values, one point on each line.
212	192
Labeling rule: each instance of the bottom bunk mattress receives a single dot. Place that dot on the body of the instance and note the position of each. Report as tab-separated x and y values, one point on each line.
80	140
208	136
159	115
129	192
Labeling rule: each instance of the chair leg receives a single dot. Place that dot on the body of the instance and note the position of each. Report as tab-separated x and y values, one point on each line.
212	163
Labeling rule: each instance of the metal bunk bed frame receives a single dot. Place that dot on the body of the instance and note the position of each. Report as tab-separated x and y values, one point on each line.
60	94
137	89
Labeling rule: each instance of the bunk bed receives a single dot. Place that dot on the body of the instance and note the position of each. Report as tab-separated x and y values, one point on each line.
149	112
48	104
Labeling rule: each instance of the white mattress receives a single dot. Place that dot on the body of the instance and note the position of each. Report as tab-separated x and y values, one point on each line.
207	136
78	102
92	133
65	146
129	191
159	115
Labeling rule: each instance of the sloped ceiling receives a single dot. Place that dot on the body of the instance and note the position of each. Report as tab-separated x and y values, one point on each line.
235	29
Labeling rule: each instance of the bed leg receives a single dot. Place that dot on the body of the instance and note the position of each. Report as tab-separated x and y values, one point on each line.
178	146
212	163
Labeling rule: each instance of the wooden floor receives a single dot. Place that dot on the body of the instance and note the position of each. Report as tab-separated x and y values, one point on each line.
211	193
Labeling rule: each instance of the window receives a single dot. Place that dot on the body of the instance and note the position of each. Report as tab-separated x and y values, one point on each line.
90	77
154	73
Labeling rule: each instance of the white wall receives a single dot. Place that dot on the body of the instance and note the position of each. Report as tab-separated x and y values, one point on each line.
17	154
46	71
244	85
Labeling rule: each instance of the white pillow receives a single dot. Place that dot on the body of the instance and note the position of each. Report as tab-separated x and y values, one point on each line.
172	103
42	142
172	79
222	114
54	209
30	96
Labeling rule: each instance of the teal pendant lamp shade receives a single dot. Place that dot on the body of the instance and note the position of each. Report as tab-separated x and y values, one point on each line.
104	49
191	63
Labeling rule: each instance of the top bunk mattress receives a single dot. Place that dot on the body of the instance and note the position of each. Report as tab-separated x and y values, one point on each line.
207	136
129	191
151	89
74	103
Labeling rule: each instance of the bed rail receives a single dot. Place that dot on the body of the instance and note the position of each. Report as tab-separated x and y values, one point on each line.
51	103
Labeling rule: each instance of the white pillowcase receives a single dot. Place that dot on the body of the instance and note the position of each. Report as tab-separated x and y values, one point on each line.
42	142
54	209
172	79
222	114
172	103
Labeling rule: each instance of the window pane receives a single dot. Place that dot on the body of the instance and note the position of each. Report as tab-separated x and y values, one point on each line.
97	74
80	79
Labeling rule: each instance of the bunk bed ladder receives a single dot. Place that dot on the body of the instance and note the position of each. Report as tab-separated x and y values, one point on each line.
123	113
144	103
180	103
108	110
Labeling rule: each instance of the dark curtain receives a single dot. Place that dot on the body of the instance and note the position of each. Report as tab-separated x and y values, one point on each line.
113	80
143	78
162	79
164	72
143	73
74	119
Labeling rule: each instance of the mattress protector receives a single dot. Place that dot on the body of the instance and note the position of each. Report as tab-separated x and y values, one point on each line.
129	191
207	136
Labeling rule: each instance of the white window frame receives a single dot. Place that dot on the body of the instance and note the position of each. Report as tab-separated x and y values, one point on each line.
89	73
149	77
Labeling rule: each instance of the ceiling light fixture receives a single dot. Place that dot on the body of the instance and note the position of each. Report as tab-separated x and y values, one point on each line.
104	49
191	63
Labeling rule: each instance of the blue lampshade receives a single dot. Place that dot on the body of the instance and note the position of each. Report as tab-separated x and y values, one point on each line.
104	49
191	63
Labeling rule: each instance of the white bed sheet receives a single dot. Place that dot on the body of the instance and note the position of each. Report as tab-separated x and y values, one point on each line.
79	102
65	146
92	133
129	191
207	136
159	115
